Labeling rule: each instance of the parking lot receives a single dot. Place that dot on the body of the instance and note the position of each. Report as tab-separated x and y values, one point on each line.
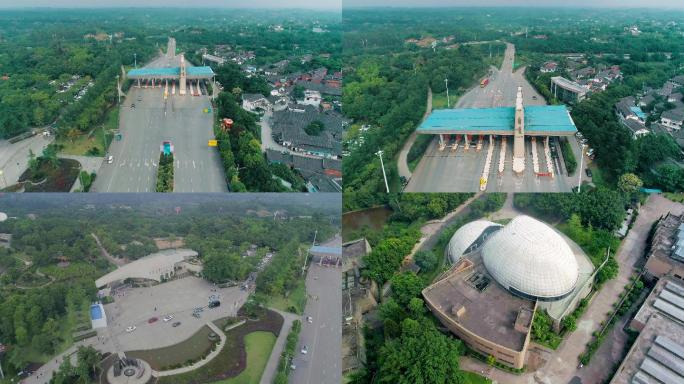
136	306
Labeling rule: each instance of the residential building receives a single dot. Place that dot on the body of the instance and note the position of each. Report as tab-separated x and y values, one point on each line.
253	101
673	118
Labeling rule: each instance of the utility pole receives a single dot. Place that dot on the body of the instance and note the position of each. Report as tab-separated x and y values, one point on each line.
382	165
118	88
446	84
579	182
306	258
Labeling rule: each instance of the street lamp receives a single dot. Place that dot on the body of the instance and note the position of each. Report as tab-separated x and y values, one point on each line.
382	165
135	60
446	84
579	181
306	257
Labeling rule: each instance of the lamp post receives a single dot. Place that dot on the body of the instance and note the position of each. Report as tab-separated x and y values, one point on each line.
382	165
446	83
306	257
135	60
579	181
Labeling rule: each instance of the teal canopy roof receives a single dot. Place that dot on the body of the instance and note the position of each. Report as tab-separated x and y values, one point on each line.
554	119
170	72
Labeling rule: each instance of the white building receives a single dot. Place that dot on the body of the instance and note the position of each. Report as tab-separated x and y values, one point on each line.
253	101
672	119
311	97
155	267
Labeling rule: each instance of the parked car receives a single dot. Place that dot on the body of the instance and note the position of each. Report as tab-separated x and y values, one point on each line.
309	319
177	323
110	159
131	328
588	171
168	318
304	350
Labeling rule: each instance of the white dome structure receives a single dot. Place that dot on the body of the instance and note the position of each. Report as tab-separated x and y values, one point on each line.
531	260
3	216
466	236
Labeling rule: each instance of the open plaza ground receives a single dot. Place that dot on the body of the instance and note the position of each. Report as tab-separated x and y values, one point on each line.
136	306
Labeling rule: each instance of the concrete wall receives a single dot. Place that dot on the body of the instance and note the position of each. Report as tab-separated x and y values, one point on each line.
503	355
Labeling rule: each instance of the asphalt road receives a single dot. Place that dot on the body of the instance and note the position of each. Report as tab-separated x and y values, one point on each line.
460	171
14	157
179	119
323	337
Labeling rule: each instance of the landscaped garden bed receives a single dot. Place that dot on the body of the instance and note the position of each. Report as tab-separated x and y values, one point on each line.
50	176
232	360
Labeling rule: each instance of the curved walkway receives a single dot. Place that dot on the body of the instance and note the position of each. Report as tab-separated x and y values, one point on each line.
402	164
272	365
202	362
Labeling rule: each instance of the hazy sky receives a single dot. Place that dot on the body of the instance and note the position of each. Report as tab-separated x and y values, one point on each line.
545	3
311	4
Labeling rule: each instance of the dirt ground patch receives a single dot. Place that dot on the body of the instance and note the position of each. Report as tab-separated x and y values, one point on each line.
166	243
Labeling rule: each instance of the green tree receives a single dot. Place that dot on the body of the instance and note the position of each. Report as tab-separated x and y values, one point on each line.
420	355
426	260
406	286
629	183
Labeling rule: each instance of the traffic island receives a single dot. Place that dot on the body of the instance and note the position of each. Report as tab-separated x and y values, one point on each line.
165	173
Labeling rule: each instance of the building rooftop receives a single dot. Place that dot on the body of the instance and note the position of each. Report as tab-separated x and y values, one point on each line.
150	267
657	355
469	297
667	238
464	240
568	84
191	72
540	119
531	259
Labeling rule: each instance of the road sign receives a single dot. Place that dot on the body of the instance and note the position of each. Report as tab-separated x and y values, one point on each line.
213	143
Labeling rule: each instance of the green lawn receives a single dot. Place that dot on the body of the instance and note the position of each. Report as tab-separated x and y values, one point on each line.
296	299
474	378
676	197
259	346
93	139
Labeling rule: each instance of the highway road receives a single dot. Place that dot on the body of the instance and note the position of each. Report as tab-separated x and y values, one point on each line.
460	171
179	119
323	337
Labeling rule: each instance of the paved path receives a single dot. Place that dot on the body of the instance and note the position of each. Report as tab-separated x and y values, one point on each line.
562	365
201	363
272	365
14	157
402	165
432	229
116	261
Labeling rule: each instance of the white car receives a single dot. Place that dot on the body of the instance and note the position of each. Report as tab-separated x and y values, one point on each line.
304	350
130	329
110	159
309	319
168	318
